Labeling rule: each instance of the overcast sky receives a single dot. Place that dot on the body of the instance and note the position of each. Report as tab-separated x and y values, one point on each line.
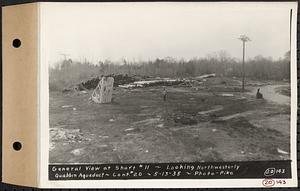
143	31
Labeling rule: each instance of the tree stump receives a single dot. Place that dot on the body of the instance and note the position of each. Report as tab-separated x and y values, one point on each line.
103	91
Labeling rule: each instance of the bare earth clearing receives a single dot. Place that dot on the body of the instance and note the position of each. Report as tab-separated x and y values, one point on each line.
200	124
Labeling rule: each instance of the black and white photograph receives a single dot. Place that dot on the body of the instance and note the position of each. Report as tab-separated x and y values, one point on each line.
168	82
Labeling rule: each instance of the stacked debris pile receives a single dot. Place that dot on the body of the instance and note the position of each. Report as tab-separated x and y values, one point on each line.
92	83
162	82
206	76
119	79
138	81
156	82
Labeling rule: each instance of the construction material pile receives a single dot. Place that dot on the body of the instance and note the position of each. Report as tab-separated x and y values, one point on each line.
157	82
119	79
91	84
137	81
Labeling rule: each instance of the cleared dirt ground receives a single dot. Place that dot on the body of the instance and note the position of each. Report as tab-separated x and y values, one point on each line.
203	123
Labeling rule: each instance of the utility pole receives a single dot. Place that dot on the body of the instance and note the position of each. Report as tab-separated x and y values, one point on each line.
244	39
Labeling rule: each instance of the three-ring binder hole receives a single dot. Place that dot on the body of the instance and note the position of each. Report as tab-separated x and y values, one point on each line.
16	43
17	146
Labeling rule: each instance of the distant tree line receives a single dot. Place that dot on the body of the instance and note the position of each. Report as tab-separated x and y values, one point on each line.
70	72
